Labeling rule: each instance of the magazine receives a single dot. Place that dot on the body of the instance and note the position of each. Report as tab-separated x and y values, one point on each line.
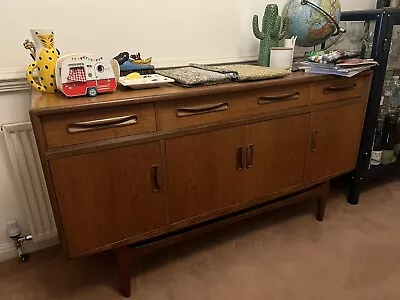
347	67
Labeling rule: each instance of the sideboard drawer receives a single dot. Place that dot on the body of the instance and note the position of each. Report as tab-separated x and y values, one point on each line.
267	100
99	124
338	89
229	106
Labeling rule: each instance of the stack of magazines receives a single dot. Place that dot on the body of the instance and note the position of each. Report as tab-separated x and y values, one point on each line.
348	67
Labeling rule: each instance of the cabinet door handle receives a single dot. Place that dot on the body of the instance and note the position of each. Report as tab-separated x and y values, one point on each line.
340	88
155	175
240	159
200	109
101	124
314	141
278	98
250	156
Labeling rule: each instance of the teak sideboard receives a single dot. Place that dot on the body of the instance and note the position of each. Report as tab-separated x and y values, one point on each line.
145	168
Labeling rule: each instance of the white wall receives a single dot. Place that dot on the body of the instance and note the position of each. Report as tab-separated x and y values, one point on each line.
173	32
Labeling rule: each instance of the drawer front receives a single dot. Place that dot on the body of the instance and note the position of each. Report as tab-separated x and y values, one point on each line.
100	124
229	106
338	89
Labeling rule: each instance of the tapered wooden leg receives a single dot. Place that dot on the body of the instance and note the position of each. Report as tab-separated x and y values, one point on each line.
124	265
321	202
321	205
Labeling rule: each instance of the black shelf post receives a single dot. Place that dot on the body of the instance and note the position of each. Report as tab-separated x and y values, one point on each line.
380	52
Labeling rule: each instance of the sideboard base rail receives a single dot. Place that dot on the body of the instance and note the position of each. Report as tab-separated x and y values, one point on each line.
125	255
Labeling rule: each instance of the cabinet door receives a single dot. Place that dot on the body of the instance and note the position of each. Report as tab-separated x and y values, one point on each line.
334	141
109	196
203	173
276	154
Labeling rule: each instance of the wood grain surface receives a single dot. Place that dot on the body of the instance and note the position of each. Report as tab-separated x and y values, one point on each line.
194	159
56	126
55	103
279	154
338	89
202	172
238	104
334	140
182	173
108	196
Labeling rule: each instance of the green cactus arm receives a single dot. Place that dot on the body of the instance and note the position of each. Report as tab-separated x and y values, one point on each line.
275	30
256	29
284	29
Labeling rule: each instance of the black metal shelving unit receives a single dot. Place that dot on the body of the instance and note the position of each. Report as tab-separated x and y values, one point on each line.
384	19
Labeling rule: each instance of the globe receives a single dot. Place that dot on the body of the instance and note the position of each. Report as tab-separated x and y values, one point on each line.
310	25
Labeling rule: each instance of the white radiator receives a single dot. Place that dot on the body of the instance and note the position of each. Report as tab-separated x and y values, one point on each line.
25	160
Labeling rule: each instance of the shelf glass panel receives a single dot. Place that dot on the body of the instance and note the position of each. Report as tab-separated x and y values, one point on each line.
359	37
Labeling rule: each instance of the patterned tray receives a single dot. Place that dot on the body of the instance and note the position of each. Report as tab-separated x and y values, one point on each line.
146	81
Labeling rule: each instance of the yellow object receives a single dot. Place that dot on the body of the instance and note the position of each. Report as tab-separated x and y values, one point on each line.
146	61
45	64
133	76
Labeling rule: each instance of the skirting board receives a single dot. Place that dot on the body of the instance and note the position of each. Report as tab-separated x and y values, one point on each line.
7	251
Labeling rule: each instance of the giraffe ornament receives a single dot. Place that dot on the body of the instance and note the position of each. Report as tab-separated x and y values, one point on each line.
45	63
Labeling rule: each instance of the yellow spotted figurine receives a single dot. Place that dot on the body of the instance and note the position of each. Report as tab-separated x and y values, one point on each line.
45	63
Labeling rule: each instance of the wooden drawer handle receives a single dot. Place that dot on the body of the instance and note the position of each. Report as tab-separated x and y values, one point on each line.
278	98
101	124
240	159
201	109
250	156
340	88
155	174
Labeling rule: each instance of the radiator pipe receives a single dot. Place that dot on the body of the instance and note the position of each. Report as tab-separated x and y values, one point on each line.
14	233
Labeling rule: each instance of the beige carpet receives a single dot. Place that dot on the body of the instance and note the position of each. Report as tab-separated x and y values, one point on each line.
354	254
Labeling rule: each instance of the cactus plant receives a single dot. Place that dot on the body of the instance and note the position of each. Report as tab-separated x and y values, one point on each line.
273	30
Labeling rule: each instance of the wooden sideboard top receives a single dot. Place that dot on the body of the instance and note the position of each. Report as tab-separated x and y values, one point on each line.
54	103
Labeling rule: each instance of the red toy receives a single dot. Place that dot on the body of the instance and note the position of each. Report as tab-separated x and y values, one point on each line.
79	75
